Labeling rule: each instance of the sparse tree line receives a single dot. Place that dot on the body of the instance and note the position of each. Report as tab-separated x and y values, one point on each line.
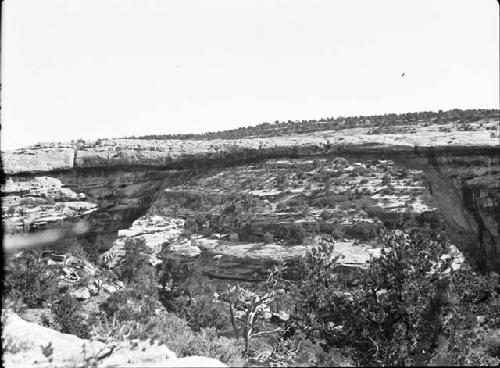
331	123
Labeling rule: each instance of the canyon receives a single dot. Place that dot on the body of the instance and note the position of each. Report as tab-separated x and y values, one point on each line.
448	174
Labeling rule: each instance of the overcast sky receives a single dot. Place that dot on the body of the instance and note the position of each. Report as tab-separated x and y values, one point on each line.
102	68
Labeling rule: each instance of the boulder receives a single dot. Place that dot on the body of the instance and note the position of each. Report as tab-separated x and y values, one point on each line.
22	342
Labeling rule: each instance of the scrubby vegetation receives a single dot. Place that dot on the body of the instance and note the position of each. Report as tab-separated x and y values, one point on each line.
411	306
67	313
29	280
292	200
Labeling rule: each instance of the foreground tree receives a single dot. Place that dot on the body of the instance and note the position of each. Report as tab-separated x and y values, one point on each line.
253	305
388	314
29	280
136	266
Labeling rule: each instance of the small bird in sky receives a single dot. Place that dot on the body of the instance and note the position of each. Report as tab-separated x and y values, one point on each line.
402	75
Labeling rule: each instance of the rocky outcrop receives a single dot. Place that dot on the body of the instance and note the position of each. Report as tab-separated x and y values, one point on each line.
40	203
27	344
154	231
123	177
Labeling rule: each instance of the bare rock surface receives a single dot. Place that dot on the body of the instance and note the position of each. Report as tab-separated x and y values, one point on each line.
27	339
116	152
39	160
153	230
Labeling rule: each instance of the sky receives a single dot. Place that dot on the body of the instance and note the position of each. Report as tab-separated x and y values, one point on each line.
112	68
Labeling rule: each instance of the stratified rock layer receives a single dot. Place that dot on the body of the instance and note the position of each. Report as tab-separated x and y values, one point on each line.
123	177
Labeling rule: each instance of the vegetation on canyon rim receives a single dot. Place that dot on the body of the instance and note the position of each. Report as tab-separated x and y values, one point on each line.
380	124
409	307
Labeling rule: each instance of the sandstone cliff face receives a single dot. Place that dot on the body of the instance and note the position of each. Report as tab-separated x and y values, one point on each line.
122	178
466	188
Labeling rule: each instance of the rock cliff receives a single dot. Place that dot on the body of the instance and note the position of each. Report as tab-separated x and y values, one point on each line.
119	180
466	188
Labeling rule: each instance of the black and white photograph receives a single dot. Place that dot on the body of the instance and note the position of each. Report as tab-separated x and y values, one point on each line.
250	183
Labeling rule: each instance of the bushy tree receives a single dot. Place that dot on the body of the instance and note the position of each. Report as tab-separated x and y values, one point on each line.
135	265
172	272
67	313
139	298
389	315
29	279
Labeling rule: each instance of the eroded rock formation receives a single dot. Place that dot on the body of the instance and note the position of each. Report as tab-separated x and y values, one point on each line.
122	178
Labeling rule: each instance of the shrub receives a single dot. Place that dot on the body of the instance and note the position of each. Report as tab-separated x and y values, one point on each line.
203	312
67	313
130	304
112	330
172	272
29	279
191	296
471	342
208	343
174	332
